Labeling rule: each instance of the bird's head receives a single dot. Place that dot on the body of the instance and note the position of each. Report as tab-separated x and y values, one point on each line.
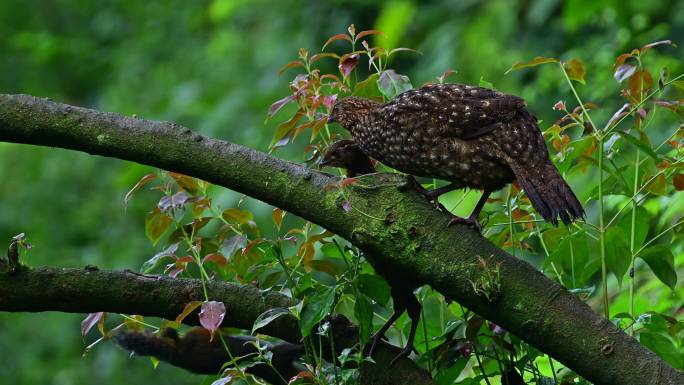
340	154
348	111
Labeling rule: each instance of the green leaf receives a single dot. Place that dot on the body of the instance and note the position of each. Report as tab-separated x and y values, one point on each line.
639	144
663	347
315	309
575	70
618	256
532	63
156	224
375	287
448	376
268	316
363	311
238	216
640	225
661	261
392	84
368	88
485	84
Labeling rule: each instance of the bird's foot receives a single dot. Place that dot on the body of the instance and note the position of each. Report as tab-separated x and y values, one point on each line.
405	352
372	344
470	221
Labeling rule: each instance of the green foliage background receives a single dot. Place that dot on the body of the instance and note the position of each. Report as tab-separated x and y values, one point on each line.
212	66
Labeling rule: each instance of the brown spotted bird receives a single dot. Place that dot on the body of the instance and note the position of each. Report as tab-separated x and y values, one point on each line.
471	136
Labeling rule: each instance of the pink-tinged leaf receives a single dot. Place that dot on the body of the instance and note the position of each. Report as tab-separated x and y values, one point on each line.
363	34
346	206
348	63
320	56
292	64
152	263
656	43
156	224
176	201
227	380
217	258
532	63
211	316
618	114
91	320
575	70
189	308
142	182
275	107
559	106
329	101
624	71
232	244
340	36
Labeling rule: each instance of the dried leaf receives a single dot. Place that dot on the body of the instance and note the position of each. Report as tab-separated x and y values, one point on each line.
211	316
532	63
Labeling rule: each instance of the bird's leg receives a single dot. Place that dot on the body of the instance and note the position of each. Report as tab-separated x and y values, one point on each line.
433	195
413	308
398	310
472	219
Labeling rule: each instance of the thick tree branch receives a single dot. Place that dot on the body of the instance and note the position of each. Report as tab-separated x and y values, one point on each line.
92	290
398	228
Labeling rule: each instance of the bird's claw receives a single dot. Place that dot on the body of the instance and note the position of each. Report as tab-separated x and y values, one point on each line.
403	353
470	221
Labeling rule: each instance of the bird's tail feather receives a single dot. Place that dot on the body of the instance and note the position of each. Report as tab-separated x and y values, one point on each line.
550	195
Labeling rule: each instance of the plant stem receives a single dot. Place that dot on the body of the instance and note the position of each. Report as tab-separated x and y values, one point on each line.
602	231
632	237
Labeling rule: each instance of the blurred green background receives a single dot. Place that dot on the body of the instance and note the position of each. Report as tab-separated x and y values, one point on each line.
212	66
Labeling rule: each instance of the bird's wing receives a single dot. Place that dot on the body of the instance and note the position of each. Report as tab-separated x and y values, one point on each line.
452	110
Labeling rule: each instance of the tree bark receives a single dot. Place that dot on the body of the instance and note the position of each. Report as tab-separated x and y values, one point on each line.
92	290
388	220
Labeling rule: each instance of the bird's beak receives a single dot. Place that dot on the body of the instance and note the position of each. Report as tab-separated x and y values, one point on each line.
330	119
323	162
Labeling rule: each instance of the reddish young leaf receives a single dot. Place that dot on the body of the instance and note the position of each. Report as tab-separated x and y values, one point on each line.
559	106
277	215
348	182
211	316
329	101
656	43
301	378
621	59
640	83
532	63
156	224
402	49
678	181
142	182
185	182
189	308
217	258
347	63
91	320
445	75
339	36
322	55
237	216
275	107
292	64
367	32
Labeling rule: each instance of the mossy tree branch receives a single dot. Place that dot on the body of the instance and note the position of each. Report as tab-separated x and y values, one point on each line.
91	290
389	221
